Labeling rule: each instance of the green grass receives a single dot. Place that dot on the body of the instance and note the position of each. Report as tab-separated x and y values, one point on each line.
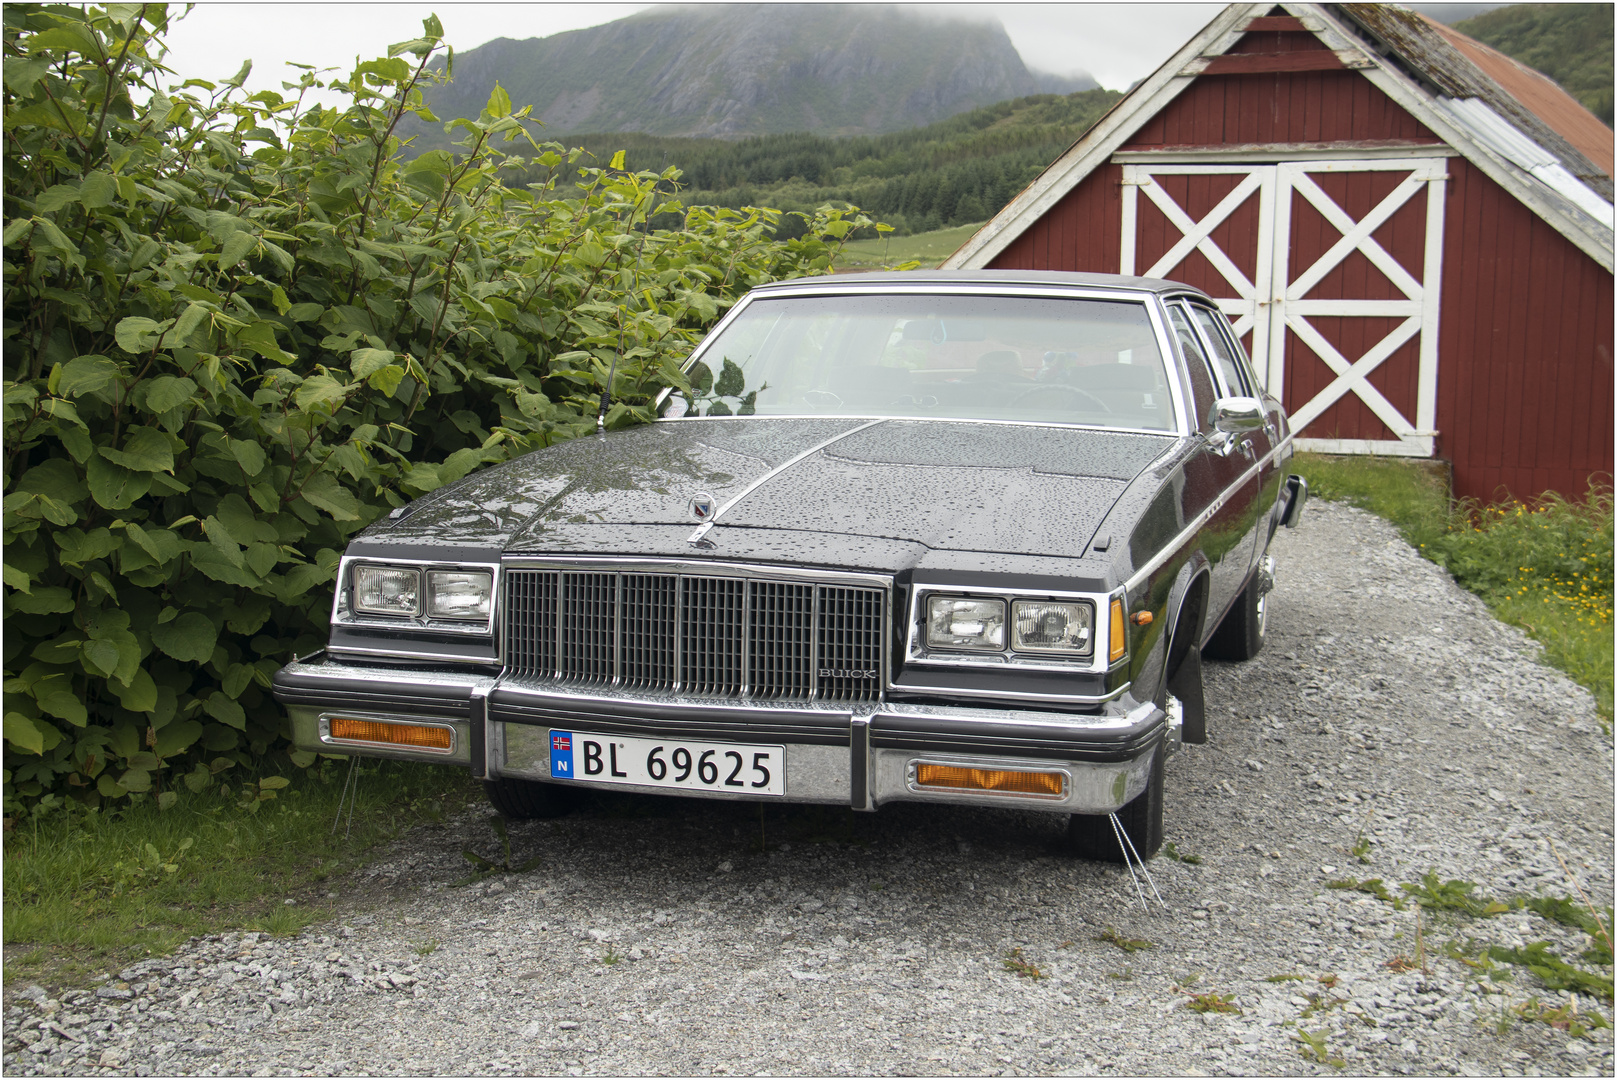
1544	566
928	249
88	891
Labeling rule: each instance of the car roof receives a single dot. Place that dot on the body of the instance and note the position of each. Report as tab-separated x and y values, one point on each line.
1043	278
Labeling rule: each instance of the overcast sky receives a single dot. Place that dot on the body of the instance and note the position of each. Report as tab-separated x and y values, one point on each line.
1116	44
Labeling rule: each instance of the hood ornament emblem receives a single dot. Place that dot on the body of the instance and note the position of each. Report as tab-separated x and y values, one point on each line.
702	506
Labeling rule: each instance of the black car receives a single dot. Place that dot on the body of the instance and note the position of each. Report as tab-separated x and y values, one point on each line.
956	537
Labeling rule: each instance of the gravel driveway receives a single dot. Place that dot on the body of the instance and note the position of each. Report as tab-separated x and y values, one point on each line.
655	937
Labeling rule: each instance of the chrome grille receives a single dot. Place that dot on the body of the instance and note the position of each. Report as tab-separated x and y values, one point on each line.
850	642
702	635
588	626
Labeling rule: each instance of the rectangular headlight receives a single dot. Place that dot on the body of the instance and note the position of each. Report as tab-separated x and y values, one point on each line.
387	590
460	594
1066	627
955	622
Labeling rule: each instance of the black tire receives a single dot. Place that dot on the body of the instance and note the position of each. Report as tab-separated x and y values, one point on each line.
529	798
1240	636
1090	836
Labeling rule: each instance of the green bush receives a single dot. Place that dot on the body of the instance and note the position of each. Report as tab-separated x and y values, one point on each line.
239	328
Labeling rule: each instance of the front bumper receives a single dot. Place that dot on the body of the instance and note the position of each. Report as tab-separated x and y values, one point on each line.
860	756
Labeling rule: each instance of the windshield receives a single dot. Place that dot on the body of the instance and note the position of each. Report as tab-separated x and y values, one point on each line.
1092	362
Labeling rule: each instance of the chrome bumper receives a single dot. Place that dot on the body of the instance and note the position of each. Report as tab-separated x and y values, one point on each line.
860	756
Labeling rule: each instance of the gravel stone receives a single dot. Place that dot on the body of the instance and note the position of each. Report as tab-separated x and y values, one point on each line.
1388	715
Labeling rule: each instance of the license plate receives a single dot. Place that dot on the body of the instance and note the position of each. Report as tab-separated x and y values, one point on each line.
737	768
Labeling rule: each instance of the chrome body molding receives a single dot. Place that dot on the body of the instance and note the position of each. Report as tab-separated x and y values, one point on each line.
410	654
1173	547
456	734
1015	695
343	613
851	754
311	731
849	285
515	663
701	568
916	653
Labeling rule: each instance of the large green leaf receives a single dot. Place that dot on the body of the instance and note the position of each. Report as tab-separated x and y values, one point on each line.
140	695
100	657
323	490
190	637
64	704
177	738
87	374
113	486
168	392
161	544
236	248
56	478
226	711
249	455
138	334
260	338
145	450
44	600
25	734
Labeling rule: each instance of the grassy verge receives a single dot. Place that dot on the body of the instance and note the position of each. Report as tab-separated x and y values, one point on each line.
1545	567
86	892
928	249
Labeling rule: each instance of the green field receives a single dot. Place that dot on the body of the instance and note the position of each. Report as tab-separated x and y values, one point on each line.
928	249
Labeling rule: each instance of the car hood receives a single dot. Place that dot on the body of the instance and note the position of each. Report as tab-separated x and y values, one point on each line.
947	486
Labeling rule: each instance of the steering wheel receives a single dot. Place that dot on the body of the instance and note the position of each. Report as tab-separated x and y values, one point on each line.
822	399
1060	388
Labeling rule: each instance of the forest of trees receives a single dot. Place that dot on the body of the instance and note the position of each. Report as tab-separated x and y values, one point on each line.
958	171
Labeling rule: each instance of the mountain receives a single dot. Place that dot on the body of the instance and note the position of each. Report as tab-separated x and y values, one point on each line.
733	70
1571	43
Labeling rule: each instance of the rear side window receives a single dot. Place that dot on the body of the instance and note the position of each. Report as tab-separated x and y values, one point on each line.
1202	390
1229	366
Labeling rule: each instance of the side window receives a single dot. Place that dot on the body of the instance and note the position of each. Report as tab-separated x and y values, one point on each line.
1202	391
1229	366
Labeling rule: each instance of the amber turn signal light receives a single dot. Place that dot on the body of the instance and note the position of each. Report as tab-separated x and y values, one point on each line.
390	734
1142	618
1009	781
1119	642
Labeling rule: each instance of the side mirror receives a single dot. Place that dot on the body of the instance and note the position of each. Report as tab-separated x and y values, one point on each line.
1233	415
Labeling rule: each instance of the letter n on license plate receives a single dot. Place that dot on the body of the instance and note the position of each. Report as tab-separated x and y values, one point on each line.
732	768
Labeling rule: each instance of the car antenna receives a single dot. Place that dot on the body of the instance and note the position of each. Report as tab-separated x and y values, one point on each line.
606	394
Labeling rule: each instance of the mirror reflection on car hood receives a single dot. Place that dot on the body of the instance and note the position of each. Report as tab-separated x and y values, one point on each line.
948	486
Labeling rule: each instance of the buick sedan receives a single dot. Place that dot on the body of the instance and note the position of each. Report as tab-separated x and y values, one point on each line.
934	537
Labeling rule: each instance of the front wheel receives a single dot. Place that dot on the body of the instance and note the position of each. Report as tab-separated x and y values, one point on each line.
529	798
1091	836
1240	636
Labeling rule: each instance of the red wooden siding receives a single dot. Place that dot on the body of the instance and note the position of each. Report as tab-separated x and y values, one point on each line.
1524	385
1082	232
1310	106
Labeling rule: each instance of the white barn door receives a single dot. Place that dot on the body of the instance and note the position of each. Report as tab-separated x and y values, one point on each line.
1337	302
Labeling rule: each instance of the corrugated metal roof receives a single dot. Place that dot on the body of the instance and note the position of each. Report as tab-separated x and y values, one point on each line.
1427	54
1543	95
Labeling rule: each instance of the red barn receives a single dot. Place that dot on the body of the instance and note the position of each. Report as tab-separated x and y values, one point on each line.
1411	232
